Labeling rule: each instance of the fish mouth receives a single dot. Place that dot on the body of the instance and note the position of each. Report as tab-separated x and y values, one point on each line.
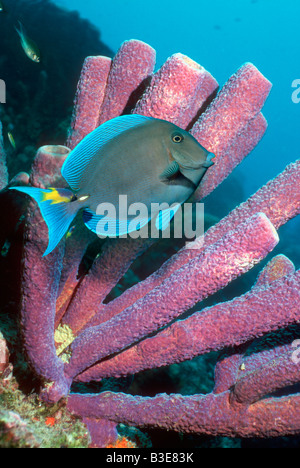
206	164
182	166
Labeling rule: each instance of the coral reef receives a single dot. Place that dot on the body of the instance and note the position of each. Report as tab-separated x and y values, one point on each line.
25	423
72	334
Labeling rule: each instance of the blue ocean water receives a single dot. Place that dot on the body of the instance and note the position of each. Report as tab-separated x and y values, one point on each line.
221	35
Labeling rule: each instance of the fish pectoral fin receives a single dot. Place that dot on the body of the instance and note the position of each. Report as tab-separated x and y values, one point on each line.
164	217
171	170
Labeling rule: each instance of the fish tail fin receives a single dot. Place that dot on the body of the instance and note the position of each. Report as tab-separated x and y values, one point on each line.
56	210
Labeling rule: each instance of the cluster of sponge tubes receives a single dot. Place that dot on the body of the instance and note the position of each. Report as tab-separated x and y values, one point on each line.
70	334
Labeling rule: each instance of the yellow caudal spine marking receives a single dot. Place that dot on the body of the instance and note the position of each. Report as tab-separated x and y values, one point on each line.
55	197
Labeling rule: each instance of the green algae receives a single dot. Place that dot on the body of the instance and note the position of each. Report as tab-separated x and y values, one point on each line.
26	422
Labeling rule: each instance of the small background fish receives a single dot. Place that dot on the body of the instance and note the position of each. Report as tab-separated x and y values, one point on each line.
29	46
11	140
2	7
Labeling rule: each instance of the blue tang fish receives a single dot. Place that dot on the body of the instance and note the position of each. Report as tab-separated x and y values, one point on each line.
148	160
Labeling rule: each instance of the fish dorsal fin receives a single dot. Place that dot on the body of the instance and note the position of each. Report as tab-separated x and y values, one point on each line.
91	220
171	170
84	153
164	217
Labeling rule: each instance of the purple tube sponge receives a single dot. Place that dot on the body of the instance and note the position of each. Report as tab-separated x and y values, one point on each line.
171	86
71	334
201	414
89	98
218	265
212	329
40	276
130	72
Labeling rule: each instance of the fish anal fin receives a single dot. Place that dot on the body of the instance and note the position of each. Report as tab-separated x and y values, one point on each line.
104	226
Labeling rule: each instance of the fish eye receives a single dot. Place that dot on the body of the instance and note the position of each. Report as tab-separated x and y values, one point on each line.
177	138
